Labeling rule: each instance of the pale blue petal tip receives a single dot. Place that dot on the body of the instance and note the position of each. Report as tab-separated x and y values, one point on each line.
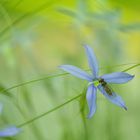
89	116
125	108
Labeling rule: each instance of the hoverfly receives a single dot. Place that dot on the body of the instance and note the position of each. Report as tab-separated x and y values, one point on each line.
106	87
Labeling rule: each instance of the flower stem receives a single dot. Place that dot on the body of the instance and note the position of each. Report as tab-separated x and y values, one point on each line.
136	65
48	112
32	81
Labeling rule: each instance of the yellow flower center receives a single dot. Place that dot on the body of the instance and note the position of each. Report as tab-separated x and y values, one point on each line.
96	83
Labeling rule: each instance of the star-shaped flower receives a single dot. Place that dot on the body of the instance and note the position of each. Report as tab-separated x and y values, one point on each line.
98	82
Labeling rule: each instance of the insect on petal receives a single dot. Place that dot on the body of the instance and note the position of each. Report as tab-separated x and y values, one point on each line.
91	99
114	98
92	61
117	77
76	72
10	131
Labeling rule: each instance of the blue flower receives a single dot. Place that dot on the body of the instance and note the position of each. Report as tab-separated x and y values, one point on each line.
8	131
98	82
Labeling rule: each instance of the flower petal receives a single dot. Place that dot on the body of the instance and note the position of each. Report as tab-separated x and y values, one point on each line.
114	98
10	131
117	77
92	60
91	99
76	72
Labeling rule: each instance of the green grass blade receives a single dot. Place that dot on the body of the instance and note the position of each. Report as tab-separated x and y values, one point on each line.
32	81
132	67
50	111
7	93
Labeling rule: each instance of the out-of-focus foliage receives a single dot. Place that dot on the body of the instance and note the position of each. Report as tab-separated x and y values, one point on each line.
38	36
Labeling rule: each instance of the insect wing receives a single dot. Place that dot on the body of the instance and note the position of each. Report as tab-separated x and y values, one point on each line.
108	89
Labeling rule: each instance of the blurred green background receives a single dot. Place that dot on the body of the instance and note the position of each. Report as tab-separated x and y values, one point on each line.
38	36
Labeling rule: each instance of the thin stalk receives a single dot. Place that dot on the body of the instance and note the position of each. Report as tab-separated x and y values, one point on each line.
132	67
48	112
32	81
